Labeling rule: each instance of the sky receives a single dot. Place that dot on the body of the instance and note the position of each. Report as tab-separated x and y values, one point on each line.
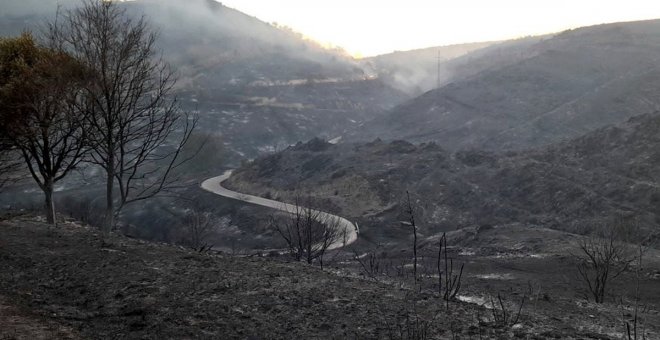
371	27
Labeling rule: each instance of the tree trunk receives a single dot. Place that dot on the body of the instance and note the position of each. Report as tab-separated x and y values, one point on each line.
414	250
109	221
50	203
309	227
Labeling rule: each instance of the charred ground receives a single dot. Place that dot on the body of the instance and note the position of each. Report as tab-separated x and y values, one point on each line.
58	283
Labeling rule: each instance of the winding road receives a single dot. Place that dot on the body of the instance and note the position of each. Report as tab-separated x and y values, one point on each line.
214	185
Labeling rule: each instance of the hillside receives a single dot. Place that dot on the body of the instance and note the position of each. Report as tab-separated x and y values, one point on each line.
416	71
260	86
517	195
57	283
562	87
209	43
575	185
254	84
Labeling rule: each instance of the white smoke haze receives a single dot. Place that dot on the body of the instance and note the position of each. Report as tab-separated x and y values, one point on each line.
213	46
418	71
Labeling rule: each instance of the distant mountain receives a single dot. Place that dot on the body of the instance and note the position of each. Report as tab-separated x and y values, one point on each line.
261	86
216	45
556	88
575	185
254	84
419	71
416	71
208	42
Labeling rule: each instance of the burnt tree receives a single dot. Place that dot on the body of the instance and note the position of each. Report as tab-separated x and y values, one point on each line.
308	233
136	125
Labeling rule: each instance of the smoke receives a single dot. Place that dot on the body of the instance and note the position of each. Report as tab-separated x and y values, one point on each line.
22	8
418	71
208	42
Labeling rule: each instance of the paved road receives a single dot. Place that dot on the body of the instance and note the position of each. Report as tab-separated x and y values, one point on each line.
214	185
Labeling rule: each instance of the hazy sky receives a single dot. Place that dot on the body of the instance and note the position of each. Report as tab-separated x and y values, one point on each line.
369	27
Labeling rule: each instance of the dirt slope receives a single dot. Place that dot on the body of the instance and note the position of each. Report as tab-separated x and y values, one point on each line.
58	283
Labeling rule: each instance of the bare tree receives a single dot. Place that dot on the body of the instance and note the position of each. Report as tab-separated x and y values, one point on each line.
137	127
601	258
452	282
40	90
308	233
643	244
632	331
199	227
409	210
501	315
370	262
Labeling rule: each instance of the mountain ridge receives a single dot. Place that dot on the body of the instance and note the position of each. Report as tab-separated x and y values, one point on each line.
563	86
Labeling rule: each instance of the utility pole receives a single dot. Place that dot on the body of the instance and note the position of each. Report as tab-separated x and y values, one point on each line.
437	84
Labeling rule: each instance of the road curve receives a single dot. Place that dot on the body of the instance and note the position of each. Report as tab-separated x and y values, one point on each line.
214	185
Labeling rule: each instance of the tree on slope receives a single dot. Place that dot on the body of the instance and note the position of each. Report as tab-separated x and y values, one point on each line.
40	93
309	233
604	256
136	125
